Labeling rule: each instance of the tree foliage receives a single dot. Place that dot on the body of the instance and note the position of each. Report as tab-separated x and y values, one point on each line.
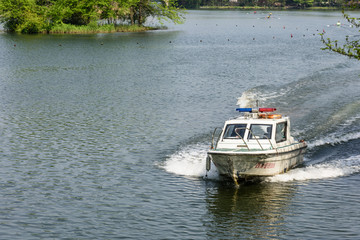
350	47
32	16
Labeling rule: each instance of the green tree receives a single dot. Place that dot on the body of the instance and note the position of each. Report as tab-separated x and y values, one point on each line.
32	16
21	16
304	3
168	10
189	4
162	10
73	11
350	47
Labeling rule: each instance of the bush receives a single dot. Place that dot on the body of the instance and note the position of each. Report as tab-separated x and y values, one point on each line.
11	25
29	28
95	28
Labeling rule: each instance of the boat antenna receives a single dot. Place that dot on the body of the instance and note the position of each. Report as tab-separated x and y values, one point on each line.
257	103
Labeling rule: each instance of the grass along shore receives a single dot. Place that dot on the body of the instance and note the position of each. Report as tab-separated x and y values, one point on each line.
88	29
95	28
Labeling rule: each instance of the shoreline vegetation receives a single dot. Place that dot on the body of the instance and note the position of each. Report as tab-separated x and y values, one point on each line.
87	16
88	29
95	28
92	29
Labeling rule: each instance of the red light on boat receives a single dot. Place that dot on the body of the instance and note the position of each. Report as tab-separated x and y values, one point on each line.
267	109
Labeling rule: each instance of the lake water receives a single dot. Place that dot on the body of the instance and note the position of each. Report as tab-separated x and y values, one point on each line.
105	136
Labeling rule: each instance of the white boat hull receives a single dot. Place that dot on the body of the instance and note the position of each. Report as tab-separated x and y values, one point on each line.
249	165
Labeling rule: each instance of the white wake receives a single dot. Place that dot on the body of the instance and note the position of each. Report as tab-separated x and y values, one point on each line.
334	139
331	169
190	161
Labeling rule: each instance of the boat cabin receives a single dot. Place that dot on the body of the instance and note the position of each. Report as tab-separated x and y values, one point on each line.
255	130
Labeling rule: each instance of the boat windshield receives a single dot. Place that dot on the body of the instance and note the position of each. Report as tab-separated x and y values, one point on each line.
234	131
260	131
280	134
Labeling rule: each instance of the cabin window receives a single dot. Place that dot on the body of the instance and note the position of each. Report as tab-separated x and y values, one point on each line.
260	131
280	135
234	131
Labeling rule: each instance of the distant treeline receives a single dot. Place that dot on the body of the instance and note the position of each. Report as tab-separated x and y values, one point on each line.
300	4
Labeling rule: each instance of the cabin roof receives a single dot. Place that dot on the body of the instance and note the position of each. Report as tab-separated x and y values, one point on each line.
256	120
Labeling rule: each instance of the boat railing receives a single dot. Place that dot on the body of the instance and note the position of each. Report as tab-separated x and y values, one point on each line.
239	135
272	146
256	138
215	138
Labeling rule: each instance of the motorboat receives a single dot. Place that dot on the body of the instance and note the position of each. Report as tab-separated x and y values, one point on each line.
255	145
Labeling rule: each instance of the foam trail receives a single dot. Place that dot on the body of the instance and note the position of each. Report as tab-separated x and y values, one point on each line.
332	169
247	99
334	139
190	161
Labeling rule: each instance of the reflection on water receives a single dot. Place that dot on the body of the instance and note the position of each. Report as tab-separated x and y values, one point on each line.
251	211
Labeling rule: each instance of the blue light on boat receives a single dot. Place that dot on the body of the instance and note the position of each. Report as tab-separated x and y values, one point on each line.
244	109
